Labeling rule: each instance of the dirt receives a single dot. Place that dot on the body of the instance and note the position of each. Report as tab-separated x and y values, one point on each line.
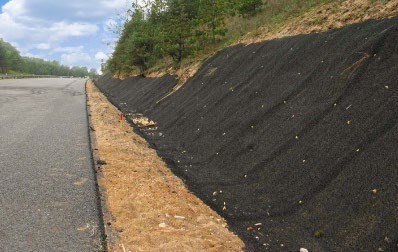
151	209
299	133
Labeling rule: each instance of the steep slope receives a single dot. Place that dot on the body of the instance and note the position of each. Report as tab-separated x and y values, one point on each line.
294	141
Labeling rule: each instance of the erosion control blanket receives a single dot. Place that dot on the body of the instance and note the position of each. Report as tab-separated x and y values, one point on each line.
294	140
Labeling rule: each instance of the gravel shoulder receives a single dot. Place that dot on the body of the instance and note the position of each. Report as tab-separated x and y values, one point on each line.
151	208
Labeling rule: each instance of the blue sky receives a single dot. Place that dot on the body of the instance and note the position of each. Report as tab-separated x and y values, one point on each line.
73	32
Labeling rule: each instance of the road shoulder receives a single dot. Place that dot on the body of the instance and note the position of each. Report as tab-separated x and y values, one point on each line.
148	207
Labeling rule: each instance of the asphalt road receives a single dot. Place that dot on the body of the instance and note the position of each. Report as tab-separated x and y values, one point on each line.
48	199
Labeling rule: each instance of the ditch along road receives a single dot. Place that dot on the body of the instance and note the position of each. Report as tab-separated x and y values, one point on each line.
49	201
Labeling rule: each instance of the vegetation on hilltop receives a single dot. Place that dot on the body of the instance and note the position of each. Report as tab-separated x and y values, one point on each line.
172	33
174	36
12	62
166	32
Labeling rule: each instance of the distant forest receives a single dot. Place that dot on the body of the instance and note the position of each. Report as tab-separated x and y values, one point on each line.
11	62
173	30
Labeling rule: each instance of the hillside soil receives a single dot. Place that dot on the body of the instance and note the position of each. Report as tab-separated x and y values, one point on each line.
326	17
293	140
151	209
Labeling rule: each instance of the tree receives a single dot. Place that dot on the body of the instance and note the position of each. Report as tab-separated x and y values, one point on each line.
176	29
141	42
10	58
248	7
3	63
179	23
212	15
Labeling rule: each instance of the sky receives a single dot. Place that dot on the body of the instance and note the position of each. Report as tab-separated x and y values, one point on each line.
72	32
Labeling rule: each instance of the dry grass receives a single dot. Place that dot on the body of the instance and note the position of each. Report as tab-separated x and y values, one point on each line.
151	208
183	75
325	17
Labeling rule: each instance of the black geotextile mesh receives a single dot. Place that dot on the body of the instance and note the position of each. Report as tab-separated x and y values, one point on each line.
294	141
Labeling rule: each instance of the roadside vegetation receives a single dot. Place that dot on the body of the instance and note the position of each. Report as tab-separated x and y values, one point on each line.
11	62
164	34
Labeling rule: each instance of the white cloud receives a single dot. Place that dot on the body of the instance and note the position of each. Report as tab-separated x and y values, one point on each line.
15	7
62	29
43	46
76	59
69	49
101	56
74	56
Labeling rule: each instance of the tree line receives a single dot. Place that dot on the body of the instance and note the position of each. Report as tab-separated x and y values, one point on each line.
12	61
173	30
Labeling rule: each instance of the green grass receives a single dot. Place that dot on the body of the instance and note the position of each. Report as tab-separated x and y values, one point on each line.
274	14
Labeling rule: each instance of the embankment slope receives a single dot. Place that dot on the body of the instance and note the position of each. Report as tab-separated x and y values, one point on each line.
294	140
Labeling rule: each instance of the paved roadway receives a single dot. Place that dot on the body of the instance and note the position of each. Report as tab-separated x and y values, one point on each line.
48	198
